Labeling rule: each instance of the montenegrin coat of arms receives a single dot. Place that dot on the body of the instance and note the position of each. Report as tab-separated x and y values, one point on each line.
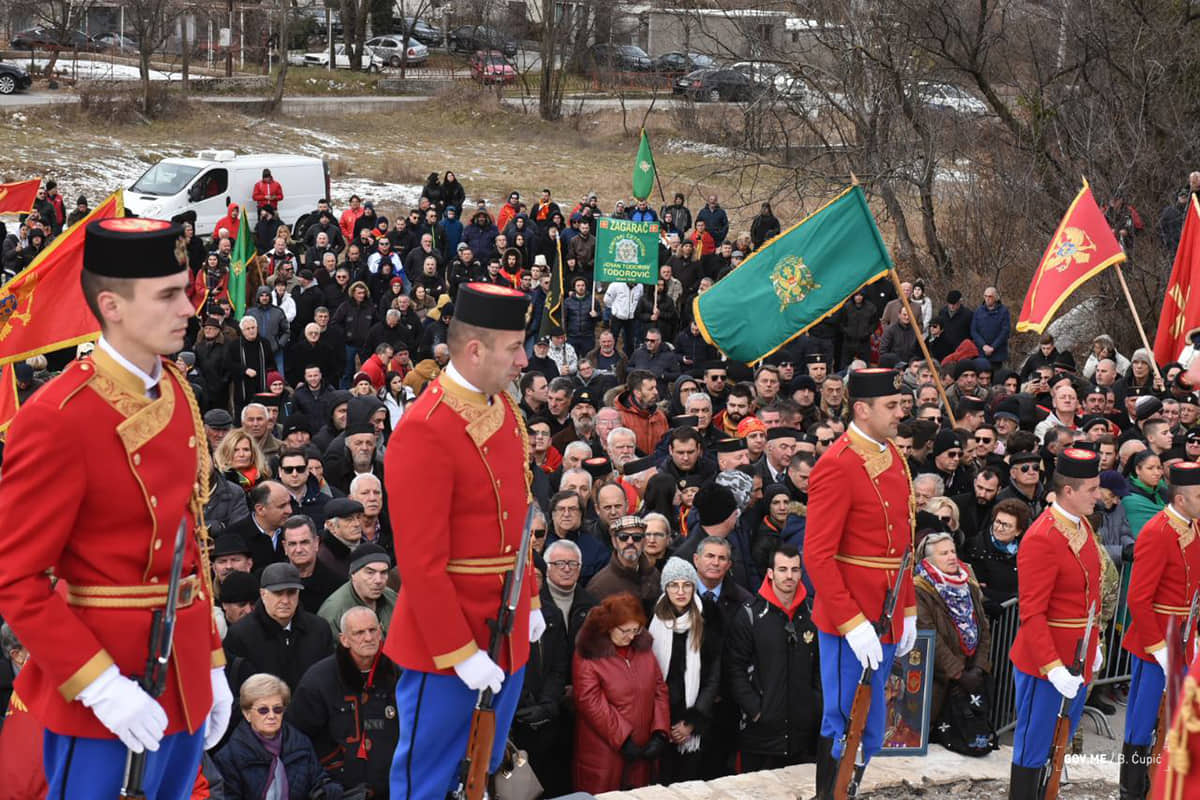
1073	246
11	306
792	280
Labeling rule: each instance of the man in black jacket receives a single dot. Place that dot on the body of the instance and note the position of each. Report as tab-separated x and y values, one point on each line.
344	704
771	663
270	506
278	637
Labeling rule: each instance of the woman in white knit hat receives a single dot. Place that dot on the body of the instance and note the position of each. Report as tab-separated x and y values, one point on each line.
689	656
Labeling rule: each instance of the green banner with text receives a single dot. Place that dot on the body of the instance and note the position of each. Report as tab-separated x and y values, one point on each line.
626	251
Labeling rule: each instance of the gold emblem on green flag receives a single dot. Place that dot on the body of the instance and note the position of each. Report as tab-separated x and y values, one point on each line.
792	281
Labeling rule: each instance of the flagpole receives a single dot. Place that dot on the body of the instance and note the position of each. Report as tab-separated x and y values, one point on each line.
1137	319
912	320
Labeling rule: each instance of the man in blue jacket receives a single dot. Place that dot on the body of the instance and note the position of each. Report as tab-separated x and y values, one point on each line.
990	328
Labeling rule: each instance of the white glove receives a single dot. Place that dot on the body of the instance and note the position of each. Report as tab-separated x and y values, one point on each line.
222	707
1066	683
1098	661
479	672
865	643
125	709
908	637
1160	656
537	624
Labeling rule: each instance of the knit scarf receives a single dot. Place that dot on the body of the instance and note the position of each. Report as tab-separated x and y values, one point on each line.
662	633
562	598
956	594
277	783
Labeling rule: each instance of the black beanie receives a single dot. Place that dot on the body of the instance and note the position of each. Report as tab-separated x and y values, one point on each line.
715	504
946	440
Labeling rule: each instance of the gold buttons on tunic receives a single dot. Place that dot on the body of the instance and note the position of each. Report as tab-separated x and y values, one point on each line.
137	459
191	441
154	579
85	367
158	544
504	515
508	548
497	483
153	501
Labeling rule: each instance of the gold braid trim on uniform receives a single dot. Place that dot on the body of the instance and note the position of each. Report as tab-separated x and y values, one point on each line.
912	500
525	447
1179	762
200	490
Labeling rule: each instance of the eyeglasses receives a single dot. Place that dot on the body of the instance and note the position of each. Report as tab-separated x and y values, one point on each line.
716	377
652	341
634	631
985	439
538	532
263	711
1029	468
625	537
953	454
1003	525
295	469
566	510
541	434
654	535
562	564
825	442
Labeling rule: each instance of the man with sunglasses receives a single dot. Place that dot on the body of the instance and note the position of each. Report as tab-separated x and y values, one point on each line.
860	524
1025	482
948	462
628	570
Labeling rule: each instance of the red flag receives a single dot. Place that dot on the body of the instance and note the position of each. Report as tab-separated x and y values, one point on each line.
1180	313
17	198
8	397
1082	246
43	309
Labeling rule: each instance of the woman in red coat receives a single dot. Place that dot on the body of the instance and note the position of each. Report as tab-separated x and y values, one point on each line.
623	711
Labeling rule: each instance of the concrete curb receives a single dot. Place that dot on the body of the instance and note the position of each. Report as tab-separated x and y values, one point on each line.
940	766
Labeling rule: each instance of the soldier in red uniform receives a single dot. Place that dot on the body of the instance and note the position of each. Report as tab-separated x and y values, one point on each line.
118	440
1059	572
458	488
1165	578
1177	774
860	524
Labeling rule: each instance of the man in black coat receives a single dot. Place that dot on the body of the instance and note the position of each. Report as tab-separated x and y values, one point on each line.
278	637
270	506
345	705
975	507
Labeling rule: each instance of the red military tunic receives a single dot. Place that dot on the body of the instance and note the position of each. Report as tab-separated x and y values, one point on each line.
96	479
860	512
1177	776
1056	586
457	474
1166	574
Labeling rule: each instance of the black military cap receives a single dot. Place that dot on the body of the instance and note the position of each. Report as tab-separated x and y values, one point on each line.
730	445
783	432
296	422
1185	473
867	383
1077	463
816	358
239	587
584	397
134	247
487	305
1092	422
685	421
598	467
230	544
639	465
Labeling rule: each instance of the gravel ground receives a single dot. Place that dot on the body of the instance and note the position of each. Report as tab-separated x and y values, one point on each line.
988	790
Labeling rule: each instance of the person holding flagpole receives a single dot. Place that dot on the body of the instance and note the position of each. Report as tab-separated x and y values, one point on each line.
860	525
136	465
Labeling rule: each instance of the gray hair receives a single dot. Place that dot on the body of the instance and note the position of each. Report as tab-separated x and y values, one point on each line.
8	639
618	431
354	610
262	685
393	313
657	517
255	406
934	538
568	545
365	476
701	396
939	484
577	445
576	471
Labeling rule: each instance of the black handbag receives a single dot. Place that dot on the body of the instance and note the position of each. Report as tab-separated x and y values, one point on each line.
965	725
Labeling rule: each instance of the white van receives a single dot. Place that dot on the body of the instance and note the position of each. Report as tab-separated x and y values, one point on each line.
200	189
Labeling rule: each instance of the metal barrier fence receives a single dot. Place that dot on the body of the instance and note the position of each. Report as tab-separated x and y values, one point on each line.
1118	664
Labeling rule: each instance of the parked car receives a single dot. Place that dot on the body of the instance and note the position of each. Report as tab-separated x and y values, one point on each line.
116	41
682	63
42	38
422	31
619	57
387	50
717	85
492	67
13	79
470	38
320	58
945	97
771	77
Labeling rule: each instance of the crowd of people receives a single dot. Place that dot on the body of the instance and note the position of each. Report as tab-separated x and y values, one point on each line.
670	484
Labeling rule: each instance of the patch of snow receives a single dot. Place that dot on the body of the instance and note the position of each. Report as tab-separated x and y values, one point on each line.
405	195
102	70
699	148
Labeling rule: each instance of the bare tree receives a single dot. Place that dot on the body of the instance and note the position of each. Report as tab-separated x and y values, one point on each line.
63	19
151	22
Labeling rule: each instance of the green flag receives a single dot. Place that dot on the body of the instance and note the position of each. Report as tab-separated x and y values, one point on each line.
795	280
239	262
643	169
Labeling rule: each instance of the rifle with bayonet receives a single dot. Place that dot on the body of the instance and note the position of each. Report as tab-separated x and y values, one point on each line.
1176	658
862	693
473	770
1062	728
154	678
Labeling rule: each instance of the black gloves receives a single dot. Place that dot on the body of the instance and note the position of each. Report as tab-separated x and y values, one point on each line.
535	716
629	750
1127	552
655	747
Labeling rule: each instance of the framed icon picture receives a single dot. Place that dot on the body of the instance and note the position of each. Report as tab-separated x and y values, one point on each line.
909	692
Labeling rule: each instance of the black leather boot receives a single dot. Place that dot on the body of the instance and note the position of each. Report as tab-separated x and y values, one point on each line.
856	781
826	769
1135	771
1025	783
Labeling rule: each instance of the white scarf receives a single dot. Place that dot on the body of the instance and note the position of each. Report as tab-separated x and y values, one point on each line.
662	633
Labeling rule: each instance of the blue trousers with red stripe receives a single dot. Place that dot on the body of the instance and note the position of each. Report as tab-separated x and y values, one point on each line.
1038	704
434	712
1146	685
840	674
79	768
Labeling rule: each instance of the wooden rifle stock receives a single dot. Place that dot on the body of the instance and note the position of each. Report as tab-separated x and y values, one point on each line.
479	752
1058	754
854	734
